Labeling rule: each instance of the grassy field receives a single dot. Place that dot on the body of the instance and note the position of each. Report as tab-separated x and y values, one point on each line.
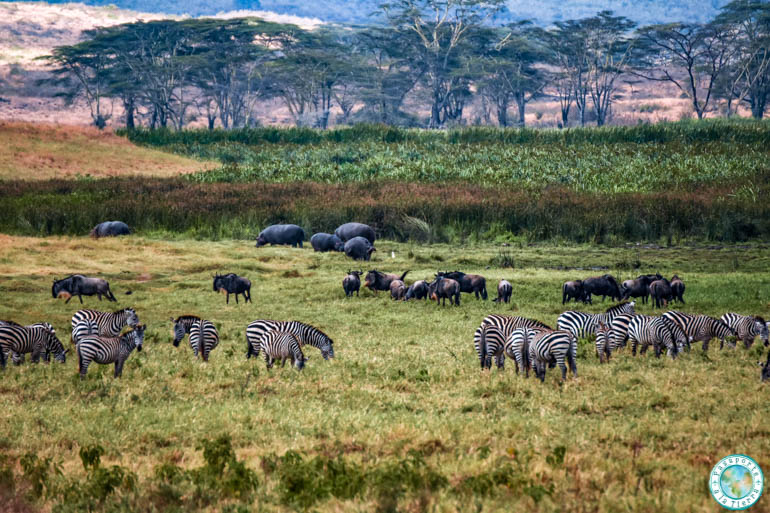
402	419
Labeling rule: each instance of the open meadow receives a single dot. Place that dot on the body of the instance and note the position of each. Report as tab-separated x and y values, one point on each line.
402	418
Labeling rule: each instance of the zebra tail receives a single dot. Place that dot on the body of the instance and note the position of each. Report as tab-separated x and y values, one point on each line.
483	347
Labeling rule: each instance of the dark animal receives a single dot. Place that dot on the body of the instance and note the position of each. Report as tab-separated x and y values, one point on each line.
677	289
442	288
110	324
38	339
326	242
376	280
555	346
352	283
470	283
79	285
305	334
106	350
110	229
765	374
573	290
504	292
233	284
660	290
281	234
601	286
397	290
499	328
348	231
203	338
358	248
746	328
282	345
639	287
417	290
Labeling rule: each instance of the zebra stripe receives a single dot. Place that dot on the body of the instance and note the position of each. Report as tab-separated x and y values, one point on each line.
582	324
495	330
182	325
110	324
619	331
700	327
106	350
39	339
282	345
203	338
746	328
554	346
655	331
305	334
517	347
603	347
83	329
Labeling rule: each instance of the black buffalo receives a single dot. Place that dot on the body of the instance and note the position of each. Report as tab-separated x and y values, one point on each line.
326	242
442	288
352	283
660	290
417	290
677	289
281	234
110	229
601	286
470	283
639	287
348	231
358	248
573	290
79	285
504	292
233	284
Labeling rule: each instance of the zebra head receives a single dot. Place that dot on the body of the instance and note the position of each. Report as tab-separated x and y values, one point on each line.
761	327
131	318
54	345
299	363
327	348
137	335
179	332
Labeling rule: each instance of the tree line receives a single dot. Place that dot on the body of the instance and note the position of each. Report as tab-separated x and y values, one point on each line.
440	53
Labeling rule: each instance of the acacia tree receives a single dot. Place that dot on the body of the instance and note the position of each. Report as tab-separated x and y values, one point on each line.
568	51
443	28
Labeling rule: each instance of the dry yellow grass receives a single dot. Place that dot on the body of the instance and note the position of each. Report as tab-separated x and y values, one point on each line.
41	151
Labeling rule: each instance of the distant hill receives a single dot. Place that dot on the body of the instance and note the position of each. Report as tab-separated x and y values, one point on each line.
360	11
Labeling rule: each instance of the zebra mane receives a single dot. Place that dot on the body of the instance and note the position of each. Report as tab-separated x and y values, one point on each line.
759	318
617	308
10	323
127	309
187	318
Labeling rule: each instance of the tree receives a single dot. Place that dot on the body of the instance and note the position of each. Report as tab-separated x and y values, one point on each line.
569	53
443	28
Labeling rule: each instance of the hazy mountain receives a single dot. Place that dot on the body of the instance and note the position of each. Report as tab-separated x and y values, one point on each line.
361	11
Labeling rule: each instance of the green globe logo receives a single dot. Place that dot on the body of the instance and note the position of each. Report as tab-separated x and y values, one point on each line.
736	482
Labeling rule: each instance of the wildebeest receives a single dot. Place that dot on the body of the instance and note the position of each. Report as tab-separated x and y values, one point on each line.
233	284
573	290
376	280
352	282
471	283
601	286
397	290
79	285
504	292
358	248
677	289
110	229
281	234
660	290
326	242
417	290
442	288
640	287
349	230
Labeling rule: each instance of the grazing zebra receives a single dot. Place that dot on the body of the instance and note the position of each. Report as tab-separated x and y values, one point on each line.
203	338
603	347
17	358
84	328
305	334
555	346
746	328
282	345
619	331
700	327
38	339
496	329
582	324
106	350
517	347
182	325
656	331
110	324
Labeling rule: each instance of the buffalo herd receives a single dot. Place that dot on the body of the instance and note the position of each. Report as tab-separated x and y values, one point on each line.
645	286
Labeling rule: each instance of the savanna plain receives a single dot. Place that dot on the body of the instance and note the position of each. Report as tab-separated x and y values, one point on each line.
402	419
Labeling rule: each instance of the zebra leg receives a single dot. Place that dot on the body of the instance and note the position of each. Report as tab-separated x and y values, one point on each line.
500	361
268	360
573	364
82	365
563	367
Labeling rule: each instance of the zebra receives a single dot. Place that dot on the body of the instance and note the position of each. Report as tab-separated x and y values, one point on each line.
203	338
305	334
656	331
84	328
182	325
109	349
700	327
746	328
582	324
618	336
17	358
498	328
603	347
282	345
517	347
554	347
110	324
39	339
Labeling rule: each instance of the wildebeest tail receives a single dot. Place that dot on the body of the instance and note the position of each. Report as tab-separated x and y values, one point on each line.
403	275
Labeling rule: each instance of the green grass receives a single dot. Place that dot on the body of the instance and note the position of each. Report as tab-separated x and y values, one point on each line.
403	412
